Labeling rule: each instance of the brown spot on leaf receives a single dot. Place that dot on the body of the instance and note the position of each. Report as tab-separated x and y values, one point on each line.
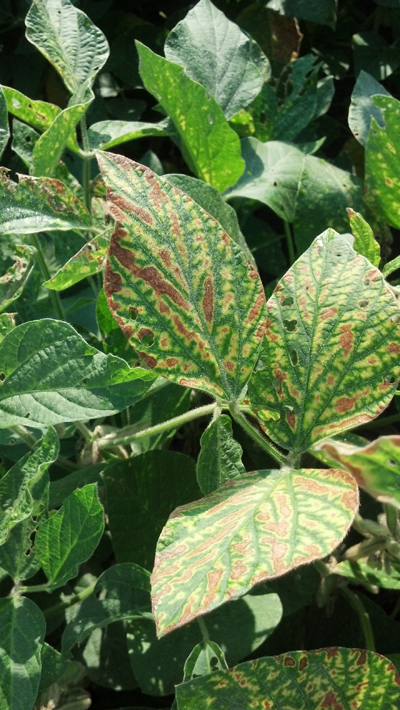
346	339
330	701
172	361
328	313
143	332
289	661
330	380
344	404
393	348
228	365
291	420
255	309
150	361
303	663
388	182
208	300
166	257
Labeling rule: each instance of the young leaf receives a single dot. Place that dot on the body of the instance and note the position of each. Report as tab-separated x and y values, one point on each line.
375	466
331	351
22	488
52	375
391	266
38	114
183	292
364	243
220	456
68	39
127	588
255	527
88	261
362	107
4	129
13	281
70	537
37	204
328	678
209	145
22	633
218	55
106	134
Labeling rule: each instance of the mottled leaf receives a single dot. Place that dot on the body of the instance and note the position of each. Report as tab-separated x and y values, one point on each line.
106	134
183	292
220	456
38	114
88	261
382	173
375	466
362	107
22	633
364	241
37	204
68	39
324	12
51	375
209	145
70	536
329	678
330	359
13	281
217	54
121	592
255	527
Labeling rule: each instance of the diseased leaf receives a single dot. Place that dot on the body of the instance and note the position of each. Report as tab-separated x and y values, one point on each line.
205	658
218	55
22	634
17	554
182	291
362	107
127	588
38	114
364	242
107	134
364	573
13	281
209	145
68	39
88	261
375	466
70	536
255	527
51	375
220	456
328	678
330	359
37	204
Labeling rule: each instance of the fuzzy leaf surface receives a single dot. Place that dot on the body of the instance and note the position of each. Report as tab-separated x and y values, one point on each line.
70	536
68	39
52	375
331	351
219	56
38	204
253	528
88	261
106	134
22	634
220	456
329	678
183	292
375	466
209	145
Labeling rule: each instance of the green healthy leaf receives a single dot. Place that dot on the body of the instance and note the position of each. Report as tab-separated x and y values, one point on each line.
140	497
329	678
13	281
205	658
391	266
22	488
7	324
324	12
22	633
68	39
239	628
70	537
362	107
54	665
50	146
4	129
219	56
220	456
209	145
255	527
52	375
330	356
38	114
37	204
363	573
182	291
24	139
365	243
107	134
127	588
382	174
88	261
375	466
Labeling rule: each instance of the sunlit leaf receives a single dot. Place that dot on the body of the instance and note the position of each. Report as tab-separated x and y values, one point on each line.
375	466
38	114
329	678
364	241
220	456
209	145
183	292
88	261
391	266
13	281
255	527
362	107
330	359
106	134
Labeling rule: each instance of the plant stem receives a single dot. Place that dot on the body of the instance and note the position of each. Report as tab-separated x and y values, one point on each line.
239	417
110	441
203	629
289	241
35	588
24	435
86	433
47	275
87	197
53	610
363	617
